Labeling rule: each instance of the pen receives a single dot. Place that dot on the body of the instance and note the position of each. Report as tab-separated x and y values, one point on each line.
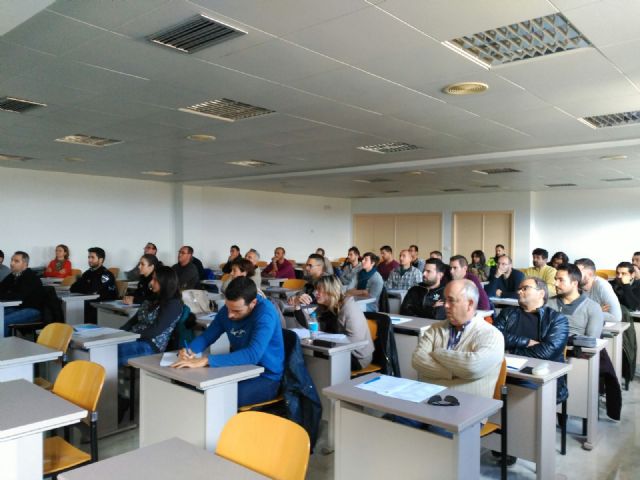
186	347
372	380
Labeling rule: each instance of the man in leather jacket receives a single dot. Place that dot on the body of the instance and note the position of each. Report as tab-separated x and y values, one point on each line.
534	330
427	298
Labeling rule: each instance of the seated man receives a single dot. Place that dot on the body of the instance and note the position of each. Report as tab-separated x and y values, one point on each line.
134	273
436	254
351	266
4	270
234	252
405	275
599	290
535	330
254	257
387	263
279	267
21	284
314	269
463	352
415	260
96	280
459	270
635	260
541	270
626	286
503	279
188	276
426	300
252	325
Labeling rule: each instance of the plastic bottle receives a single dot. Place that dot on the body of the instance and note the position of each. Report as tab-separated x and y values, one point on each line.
313	325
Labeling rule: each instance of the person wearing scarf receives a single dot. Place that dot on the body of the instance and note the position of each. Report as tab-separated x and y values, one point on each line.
369	282
59	267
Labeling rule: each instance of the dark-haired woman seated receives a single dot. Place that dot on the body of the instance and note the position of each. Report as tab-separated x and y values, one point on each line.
147	265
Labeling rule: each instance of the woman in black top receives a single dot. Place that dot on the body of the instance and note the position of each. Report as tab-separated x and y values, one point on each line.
156	318
147	265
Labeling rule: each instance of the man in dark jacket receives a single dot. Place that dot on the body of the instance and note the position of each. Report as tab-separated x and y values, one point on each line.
97	280
426	300
503	279
21	284
534	330
626	286
186	269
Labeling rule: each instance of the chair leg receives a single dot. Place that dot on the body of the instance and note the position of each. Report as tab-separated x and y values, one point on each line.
132	393
563	429
584	427
503	435
94	440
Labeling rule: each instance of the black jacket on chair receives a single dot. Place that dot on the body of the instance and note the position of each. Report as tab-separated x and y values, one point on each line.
385	353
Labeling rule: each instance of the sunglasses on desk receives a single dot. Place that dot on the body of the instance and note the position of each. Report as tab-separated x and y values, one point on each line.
448	401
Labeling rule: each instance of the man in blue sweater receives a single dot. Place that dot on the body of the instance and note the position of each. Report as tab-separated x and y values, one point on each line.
253	327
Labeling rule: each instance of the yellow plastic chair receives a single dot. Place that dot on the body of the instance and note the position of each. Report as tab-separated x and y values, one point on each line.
57	337
76	272
372	367
225	277
115	271
68	281
79	382
606	274
262	264
294	283
121	287
265	443
500	393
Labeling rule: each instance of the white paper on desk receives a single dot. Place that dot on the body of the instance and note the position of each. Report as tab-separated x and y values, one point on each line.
398	320
301	332
515	363
168	359
402	388
333	337
609	324
94	332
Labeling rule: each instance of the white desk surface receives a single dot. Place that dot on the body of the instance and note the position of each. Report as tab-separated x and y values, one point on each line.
330	351
288	291
556	370
615	327
274	282
26	409
17	351
168	460
414	325
217	282
116	306
205	319
635	314
50	281
62	288
200	378
11	303
111	337
509	302
472	409
68	297
397	292
600	344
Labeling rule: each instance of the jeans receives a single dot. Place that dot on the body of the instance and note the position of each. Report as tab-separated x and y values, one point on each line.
257	390
128	350
13	315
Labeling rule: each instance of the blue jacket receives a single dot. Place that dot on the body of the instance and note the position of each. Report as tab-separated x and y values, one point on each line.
553	331
254	340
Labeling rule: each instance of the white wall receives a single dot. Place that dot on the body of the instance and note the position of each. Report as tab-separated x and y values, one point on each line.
518	202
600	224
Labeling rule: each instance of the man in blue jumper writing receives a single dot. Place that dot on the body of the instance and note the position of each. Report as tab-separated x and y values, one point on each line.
253	327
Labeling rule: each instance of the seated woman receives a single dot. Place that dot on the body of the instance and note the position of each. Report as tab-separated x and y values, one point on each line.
559	258
241	267
156	318
478	265
147	265
339	314
59	267
368	282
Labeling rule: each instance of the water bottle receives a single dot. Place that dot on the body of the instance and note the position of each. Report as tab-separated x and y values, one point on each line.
313	325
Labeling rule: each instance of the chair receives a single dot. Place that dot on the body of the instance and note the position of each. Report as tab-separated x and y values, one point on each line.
500	393
225	277
372	367
80	382
115	271
121	287
602	274
606	273
68	281
385	353
57	337
268	444
294	284
222	265
262	264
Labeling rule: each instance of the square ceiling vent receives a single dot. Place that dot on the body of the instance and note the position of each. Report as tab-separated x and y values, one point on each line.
18	105
392	147
226	110
613	119
81	139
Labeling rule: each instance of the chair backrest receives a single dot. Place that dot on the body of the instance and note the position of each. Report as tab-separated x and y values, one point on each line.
81	383
121	287
385	352
222	265
115	271
56	336
268	444
294	283
602	275
76	272
262	264
68	281
373	328
502	379
225	277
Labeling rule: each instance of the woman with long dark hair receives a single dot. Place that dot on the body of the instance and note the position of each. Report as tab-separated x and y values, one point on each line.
147	265
478	265
156	318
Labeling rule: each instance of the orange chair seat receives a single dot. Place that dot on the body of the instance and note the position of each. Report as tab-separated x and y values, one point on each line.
488	428
59	455
372	367
247	408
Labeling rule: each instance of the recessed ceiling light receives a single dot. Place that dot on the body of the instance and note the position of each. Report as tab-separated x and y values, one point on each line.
250	163
496	171
201	138
614	157
420	172
621	179
465	88
88	140
556	185
362	180
157	173
13	158
74	159
452	190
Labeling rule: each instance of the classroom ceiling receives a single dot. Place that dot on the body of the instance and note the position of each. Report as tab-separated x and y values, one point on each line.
338	75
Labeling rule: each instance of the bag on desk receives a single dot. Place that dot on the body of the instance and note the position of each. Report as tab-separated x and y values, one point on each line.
583	341
197	301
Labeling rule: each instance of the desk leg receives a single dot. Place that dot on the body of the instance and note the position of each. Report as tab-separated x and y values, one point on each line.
221	403
406	345
1	320
592	402
73	311
21	459
614	349
546	431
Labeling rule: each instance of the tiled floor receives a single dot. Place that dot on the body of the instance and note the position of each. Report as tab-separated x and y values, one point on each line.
615	457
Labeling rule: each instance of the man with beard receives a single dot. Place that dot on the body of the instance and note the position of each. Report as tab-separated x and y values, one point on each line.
427	298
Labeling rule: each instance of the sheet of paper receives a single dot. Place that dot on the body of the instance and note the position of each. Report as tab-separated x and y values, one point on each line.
515	363
402	388
609	324
301	332
333	337
398	320
94	332
168	359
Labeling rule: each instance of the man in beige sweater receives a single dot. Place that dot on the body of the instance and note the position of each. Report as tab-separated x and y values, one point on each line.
463	352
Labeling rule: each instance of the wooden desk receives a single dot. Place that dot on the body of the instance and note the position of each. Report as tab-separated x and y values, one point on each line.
169	460
103	349
26	411
407	335
73	306
531	416
396	296
114	314
614	344
3	305
17	357
372	447
191	403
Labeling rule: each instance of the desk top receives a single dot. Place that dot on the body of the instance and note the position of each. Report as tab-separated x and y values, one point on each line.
415	325
17	351
397	292
217	282
11	303
508	302
555	370
472	409
51	281
600	344
635	314
116	306
201	378
26	409
330	351
76	297
111	336
615	327
168	460
205	319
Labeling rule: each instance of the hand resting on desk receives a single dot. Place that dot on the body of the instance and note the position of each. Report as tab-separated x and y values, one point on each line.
186	359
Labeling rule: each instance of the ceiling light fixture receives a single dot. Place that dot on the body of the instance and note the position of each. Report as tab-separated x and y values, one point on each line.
74	159
250	163
157	173
614	157
391	147
13	158
201	138
88	140
226	110
465	88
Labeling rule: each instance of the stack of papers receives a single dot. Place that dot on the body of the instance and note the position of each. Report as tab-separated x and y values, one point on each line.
402	388
333	337
516	364
90	330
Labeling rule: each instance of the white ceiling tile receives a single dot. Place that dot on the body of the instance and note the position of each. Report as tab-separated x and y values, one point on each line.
607	22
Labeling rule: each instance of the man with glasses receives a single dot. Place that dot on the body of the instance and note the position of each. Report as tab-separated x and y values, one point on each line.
134	273
188	276
503	279
314	269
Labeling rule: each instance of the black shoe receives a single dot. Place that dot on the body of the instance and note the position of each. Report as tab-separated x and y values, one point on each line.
511	460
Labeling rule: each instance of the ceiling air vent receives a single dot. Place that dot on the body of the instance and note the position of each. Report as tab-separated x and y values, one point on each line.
613	119
195	34
13	158
556	185
621	179
392	147
81	139
452	190
250	163
227	110
496	171
18	105
520	41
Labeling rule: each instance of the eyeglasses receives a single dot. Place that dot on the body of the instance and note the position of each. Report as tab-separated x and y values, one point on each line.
448	401
310	265
526	287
